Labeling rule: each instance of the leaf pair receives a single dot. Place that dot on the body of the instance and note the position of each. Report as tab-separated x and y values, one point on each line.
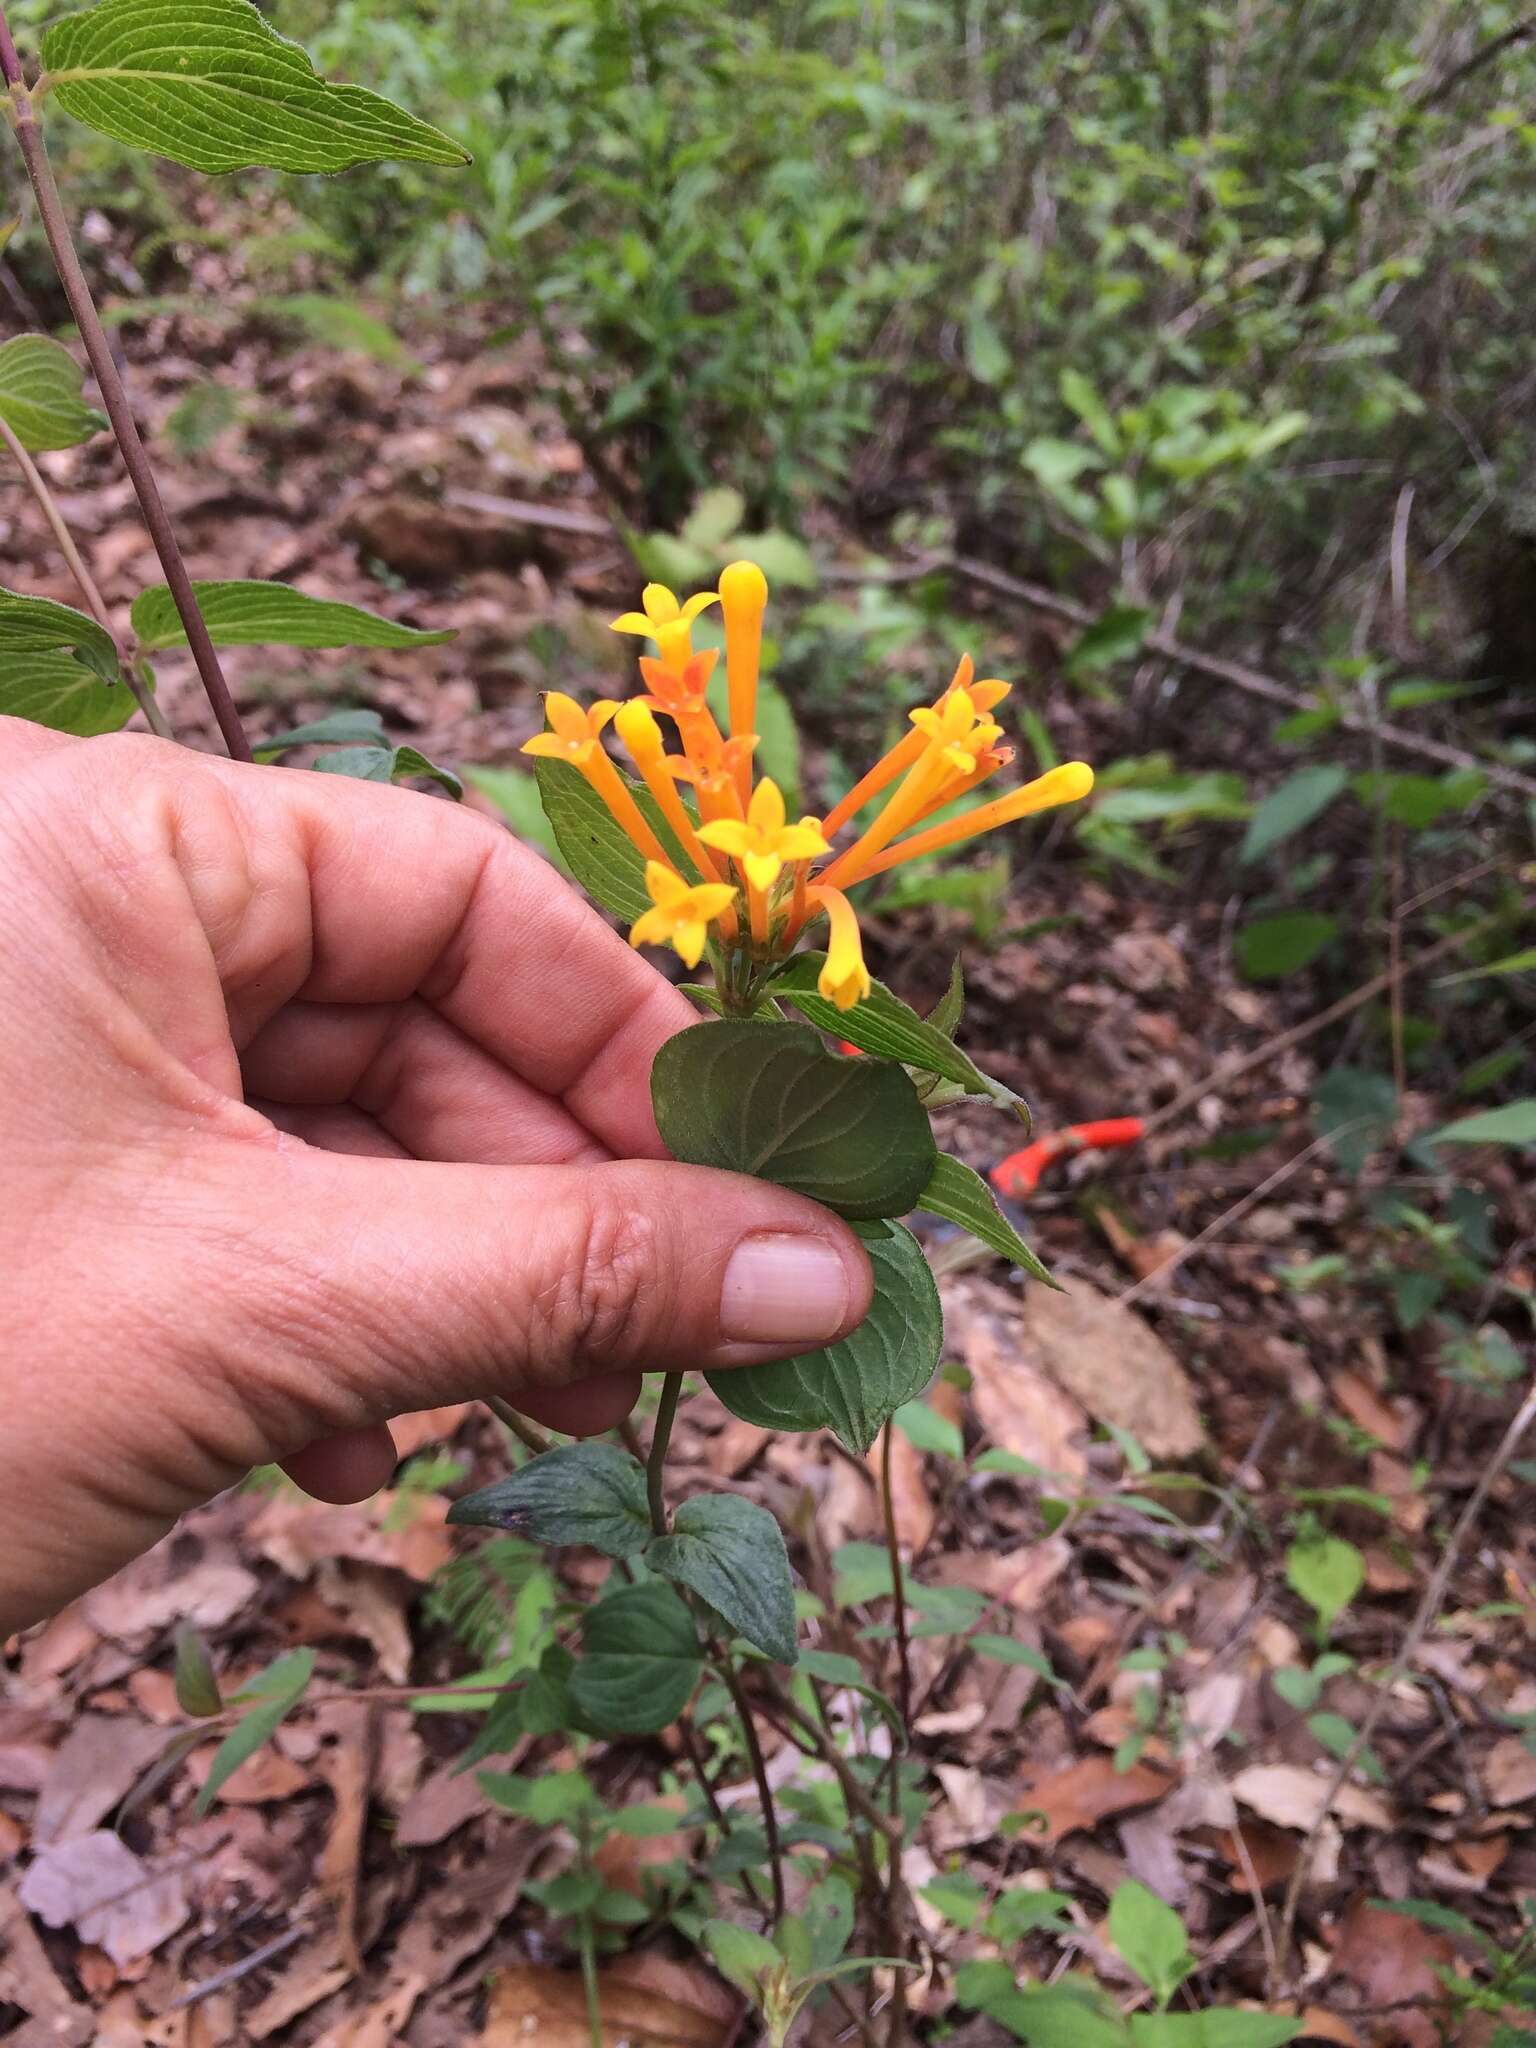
721	1547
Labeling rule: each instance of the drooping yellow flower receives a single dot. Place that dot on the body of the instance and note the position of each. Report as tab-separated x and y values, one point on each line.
667	622
844	979
764	840
577	730
681	915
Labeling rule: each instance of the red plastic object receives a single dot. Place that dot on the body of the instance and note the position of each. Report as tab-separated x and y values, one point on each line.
1019	1174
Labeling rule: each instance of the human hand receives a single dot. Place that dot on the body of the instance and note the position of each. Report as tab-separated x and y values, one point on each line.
321	1102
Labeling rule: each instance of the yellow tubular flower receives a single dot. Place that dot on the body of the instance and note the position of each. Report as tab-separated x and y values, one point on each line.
637	728
667	622
1063	785
943	752
844	979
680	916
743	599
577	738
984	695
764	841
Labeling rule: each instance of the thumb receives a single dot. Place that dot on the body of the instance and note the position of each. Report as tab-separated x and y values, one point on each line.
406	1284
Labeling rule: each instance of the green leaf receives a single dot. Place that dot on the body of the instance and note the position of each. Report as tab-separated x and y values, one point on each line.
1514	1124
340	728
958	1193
40	401
640	1660
958	1896
716	515
889	1029
253	614
589	1492
855	1386
278	1691
209	84
553	1799
1272	947
1022	1912
58	691
1007	1651
1054	462
770	1100
1299	799
928	1430
515	793
830	1667
731	1553
1212	2030
35	625
1523	962
601	856
197	1689
1355	1110
387	764
742	1957
1327	1572
1151	1938
1115	636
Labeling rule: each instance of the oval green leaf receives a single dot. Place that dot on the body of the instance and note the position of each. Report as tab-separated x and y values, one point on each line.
640	1660
58	691
854	1387
257	614
40	398
731	1553
591	1493
209	84
770	1100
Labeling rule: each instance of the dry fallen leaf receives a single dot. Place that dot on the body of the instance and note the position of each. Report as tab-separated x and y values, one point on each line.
532	2003
93	1770
1114	1363
1019	1408
263	1779
95	1884
298	1534
381	2024
1386	1958
1509	1772
1085	1793
909	1491
1292	1796
1393	1423
153	1594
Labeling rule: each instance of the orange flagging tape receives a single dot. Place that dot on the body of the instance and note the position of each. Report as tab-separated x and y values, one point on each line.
1019	1174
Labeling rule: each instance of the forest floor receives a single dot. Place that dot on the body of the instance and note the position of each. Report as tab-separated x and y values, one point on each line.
348	1889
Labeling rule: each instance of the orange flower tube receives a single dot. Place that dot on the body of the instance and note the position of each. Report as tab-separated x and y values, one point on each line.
1063	785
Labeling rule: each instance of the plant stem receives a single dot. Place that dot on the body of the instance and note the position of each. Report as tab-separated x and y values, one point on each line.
661	1436
732	1682
94	603
114	395
898	1588
589	1983
525	1431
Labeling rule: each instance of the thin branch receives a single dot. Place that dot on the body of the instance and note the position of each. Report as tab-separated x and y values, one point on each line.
1242	677
114	395
95	604
727	1673
1229	1070
525	1431
656	1463
1424	1615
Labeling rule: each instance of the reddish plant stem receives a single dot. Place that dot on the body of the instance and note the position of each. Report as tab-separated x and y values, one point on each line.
114	395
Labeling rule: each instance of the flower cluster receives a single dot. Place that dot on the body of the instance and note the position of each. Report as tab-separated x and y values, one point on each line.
755	876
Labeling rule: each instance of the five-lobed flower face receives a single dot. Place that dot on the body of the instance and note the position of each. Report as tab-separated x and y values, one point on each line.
951	749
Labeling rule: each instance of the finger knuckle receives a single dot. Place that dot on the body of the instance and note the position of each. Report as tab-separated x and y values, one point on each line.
606	1296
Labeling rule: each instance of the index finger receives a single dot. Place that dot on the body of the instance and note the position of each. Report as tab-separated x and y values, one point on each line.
409	895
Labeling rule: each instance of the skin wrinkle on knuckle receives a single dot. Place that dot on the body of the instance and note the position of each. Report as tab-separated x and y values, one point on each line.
606	1293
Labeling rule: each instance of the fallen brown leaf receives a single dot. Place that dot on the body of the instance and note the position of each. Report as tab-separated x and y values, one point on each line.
1113	1362
93	1770
1509	1772
95	1884
381	2025
264	1779
1387	1958
412	1433
1292	1796
1393	1423
1085	1793
29	1982
1020	1409
531	2002
1317	2025
298	1534
909	1491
